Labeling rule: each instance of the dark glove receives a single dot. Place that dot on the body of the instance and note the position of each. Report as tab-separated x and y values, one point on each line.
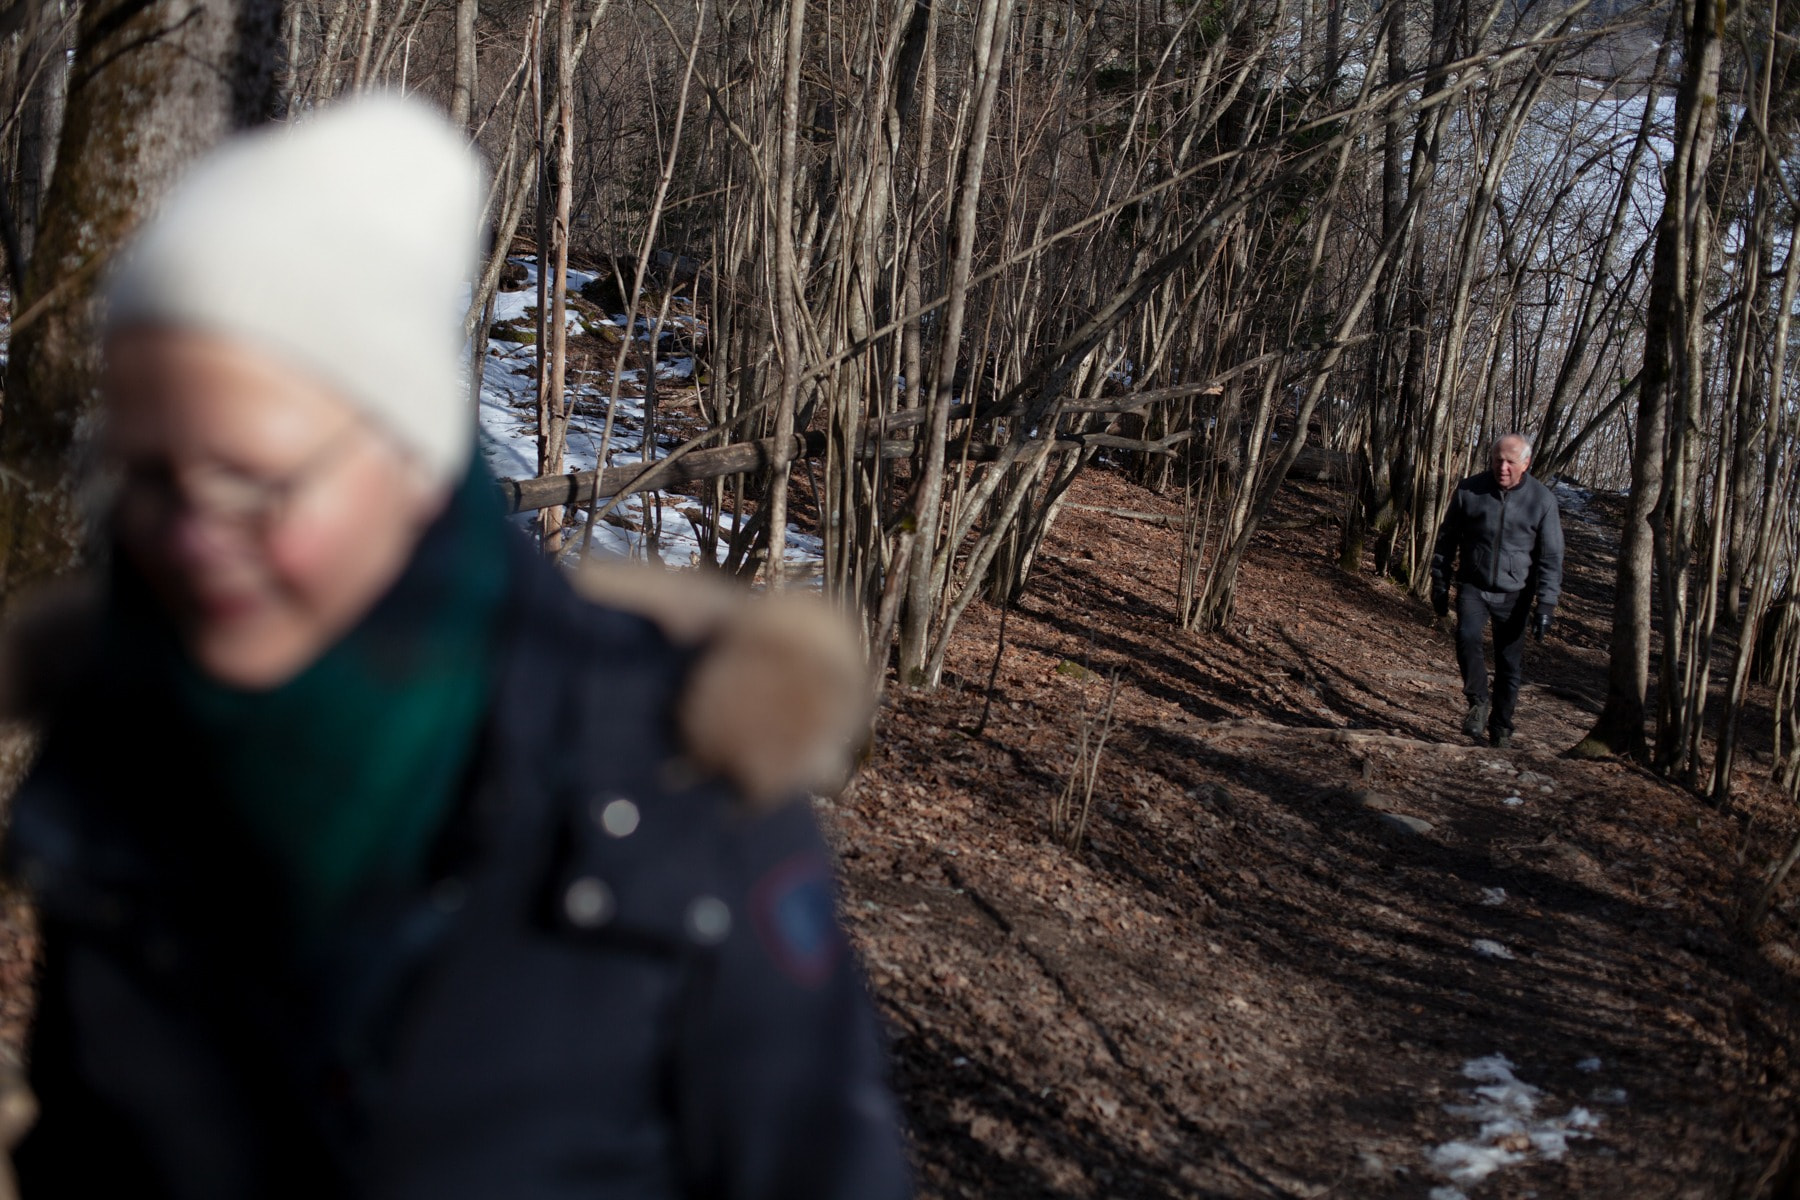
1440	597
1540	624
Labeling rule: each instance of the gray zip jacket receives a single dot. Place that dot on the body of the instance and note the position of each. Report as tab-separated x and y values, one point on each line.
1506	541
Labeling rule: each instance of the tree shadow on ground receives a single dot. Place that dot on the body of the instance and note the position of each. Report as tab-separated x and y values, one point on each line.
1276	979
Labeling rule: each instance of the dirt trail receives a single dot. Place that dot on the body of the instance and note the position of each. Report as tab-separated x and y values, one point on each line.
1305	904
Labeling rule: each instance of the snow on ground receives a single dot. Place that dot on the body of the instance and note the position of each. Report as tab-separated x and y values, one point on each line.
1574	500
1509	1132
508	422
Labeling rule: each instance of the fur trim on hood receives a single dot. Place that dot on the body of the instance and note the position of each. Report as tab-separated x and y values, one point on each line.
777	702
780	697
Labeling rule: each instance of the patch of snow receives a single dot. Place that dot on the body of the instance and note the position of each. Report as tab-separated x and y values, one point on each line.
1509	1131
666	368
513	306
1590	1065
1488	948
1495	1068
1493	896
1572	494
1472	1162
1578	502
508	423
1513	801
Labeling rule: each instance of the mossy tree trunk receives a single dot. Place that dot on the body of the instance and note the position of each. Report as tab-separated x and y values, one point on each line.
151	86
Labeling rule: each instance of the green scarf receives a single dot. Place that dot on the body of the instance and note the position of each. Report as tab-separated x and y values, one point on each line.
343	776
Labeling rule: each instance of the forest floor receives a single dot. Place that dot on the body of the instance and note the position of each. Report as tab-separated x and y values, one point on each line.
1254	978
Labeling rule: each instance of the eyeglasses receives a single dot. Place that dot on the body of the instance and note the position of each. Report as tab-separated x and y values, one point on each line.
150	493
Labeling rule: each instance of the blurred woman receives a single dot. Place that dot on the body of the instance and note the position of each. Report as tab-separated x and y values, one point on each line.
372	859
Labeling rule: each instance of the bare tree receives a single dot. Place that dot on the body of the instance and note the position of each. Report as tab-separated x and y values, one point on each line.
462	88
1671	374
151	86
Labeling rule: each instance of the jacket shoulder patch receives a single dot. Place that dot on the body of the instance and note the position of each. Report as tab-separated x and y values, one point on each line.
792	911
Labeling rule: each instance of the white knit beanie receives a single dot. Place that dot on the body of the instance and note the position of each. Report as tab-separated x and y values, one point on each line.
343	244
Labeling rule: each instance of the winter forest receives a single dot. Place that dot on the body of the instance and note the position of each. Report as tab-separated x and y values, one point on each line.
1112	366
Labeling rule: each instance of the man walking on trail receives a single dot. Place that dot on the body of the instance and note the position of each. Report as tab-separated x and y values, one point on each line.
1503	538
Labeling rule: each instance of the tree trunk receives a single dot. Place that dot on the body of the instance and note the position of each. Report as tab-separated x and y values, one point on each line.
787	289
462	91
553	278
365	45
152	86
45	63
1556	448
921	601
1620	727
1759	552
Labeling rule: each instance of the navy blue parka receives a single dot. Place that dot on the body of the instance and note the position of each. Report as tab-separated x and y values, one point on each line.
620	982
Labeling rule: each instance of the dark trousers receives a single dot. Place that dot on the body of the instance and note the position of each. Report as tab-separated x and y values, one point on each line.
1508	613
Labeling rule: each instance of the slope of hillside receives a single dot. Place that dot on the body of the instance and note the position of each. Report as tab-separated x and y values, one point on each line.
1316	943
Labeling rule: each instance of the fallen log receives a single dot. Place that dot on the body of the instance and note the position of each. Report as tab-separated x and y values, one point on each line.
1130	514
1112	441
584	487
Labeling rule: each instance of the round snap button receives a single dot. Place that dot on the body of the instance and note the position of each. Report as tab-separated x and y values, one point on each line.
709	920
618	816
588	903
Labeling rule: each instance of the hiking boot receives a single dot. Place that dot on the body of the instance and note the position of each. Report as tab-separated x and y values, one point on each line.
1477	718
1500	739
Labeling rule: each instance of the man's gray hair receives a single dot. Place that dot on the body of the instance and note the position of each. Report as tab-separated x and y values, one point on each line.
1513	437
